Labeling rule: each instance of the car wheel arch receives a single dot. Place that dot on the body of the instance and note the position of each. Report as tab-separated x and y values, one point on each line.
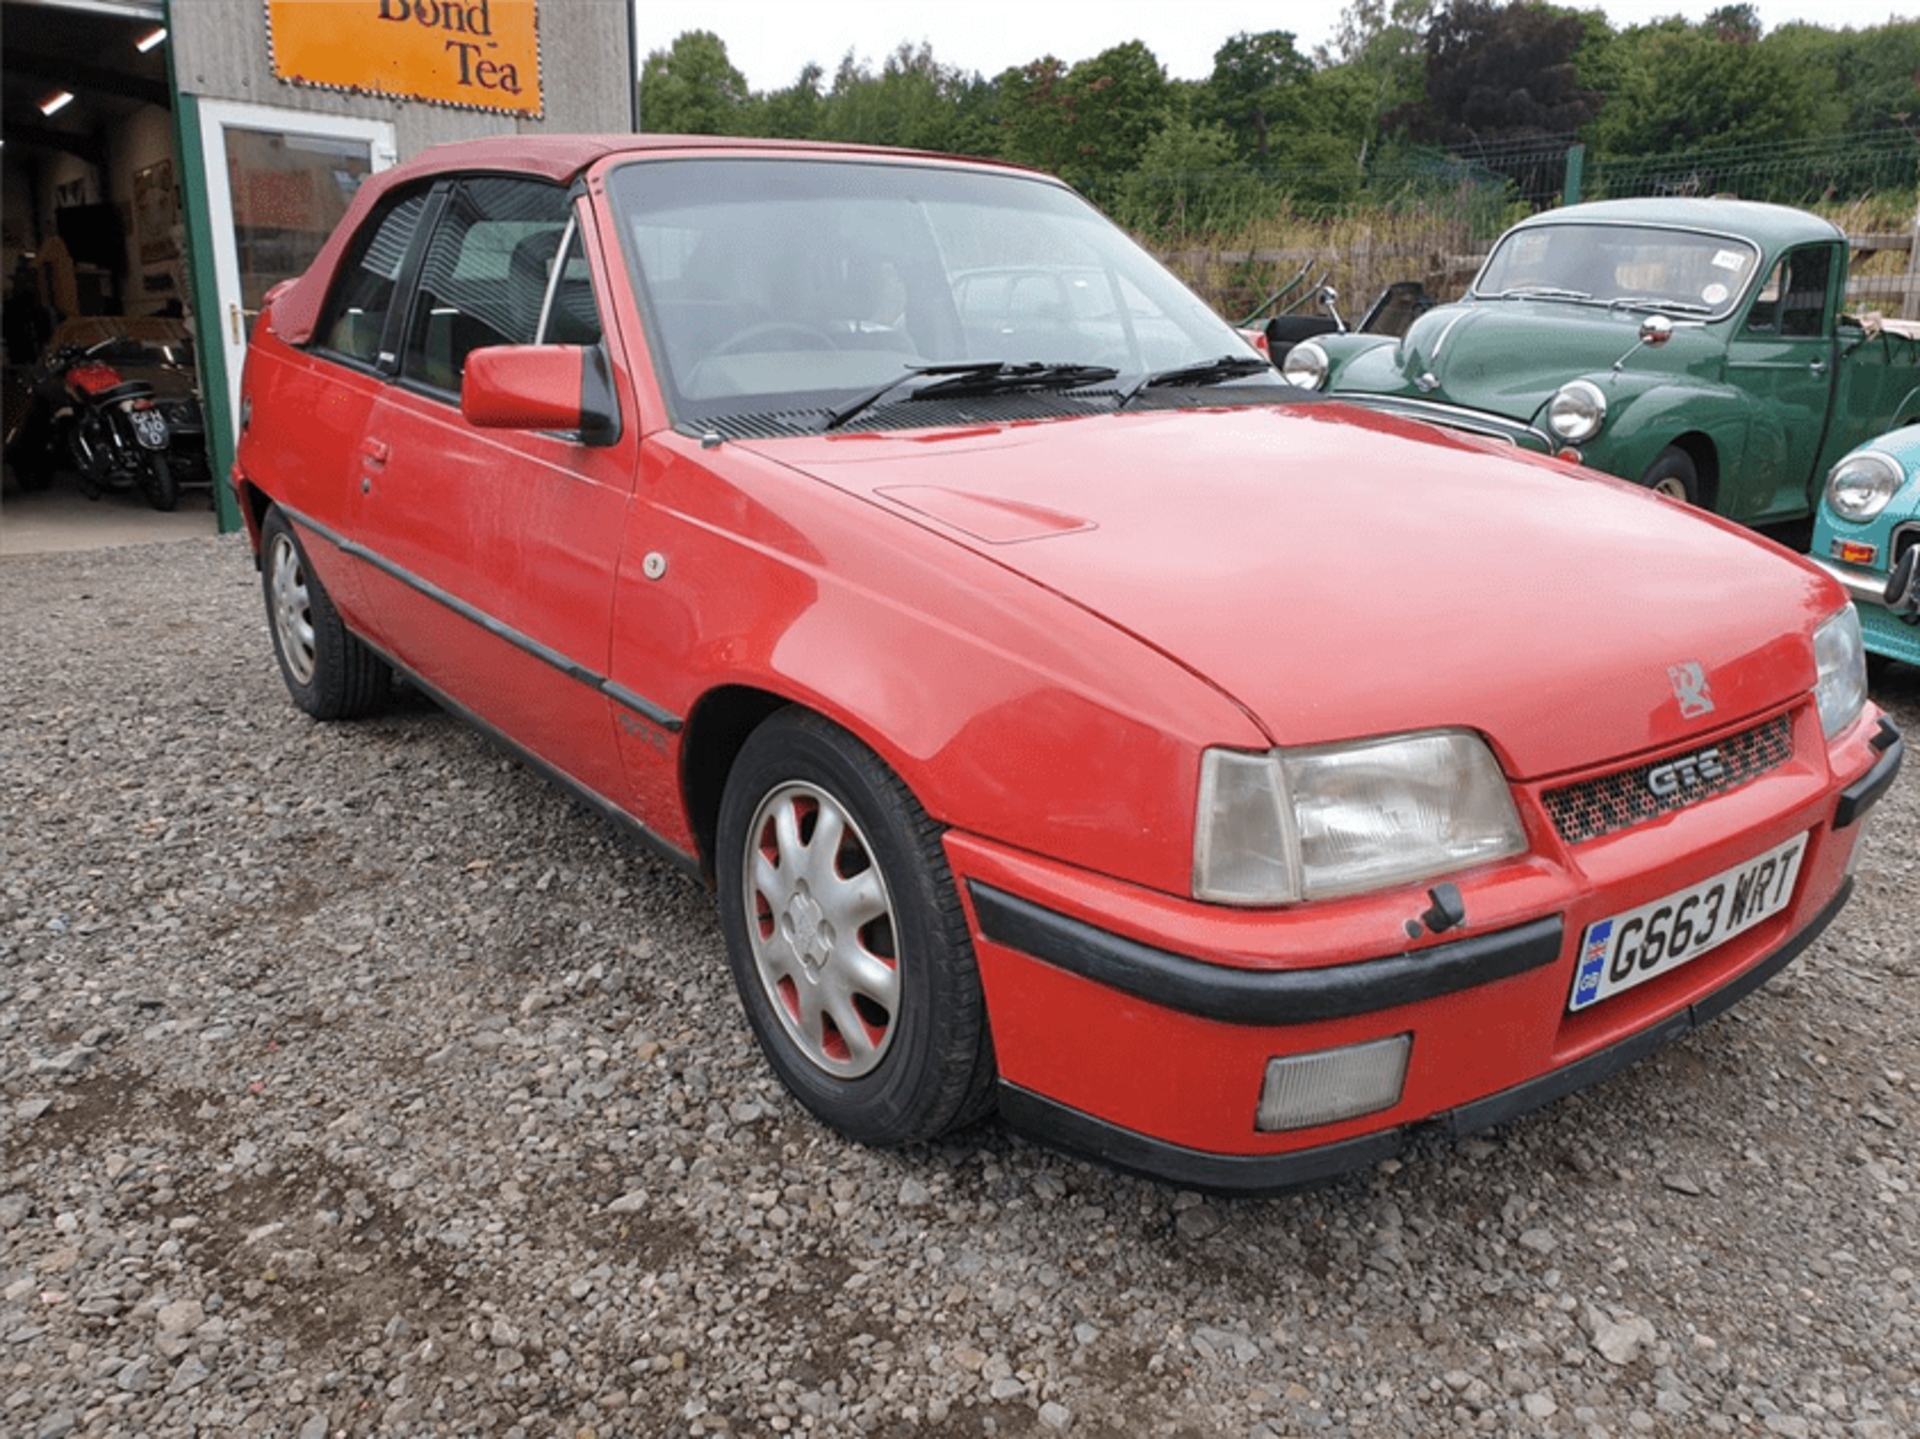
1705	455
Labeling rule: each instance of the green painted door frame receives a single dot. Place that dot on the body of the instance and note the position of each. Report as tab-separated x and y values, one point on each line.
209	352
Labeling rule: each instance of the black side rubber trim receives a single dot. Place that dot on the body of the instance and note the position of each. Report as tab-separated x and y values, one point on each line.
1864	793
1247	1175
573	669
1498	1108
1242	1174
1263	997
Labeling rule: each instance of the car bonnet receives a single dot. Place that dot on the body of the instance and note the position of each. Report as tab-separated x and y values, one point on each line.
1507	357
1342	574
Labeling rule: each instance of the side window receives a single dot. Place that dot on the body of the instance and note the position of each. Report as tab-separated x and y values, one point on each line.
484	277
356	312
1793	301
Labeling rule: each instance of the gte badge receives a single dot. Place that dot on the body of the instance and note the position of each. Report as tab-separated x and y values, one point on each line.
1690	688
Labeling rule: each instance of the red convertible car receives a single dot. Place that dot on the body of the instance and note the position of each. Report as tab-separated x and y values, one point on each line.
1073	719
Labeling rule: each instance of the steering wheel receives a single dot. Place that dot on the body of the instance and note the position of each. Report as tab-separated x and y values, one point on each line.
809	337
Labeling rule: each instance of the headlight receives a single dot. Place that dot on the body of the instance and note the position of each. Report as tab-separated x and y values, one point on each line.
1305	365
1841	661
1861	484
1342	819
1577	411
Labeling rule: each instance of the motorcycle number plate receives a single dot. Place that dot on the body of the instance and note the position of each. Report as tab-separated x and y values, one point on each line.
151	428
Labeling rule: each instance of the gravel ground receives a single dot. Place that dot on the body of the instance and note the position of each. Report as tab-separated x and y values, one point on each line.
358	1082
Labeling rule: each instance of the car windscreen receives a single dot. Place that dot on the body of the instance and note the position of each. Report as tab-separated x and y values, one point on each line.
794	285
1645	265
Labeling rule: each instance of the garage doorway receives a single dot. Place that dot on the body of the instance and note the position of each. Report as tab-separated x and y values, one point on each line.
273	185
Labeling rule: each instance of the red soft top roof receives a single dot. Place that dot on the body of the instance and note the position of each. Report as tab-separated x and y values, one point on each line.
559	158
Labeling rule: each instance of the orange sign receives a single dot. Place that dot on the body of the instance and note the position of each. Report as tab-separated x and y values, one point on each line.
478	54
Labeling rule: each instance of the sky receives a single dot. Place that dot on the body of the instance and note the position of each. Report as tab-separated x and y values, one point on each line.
769	40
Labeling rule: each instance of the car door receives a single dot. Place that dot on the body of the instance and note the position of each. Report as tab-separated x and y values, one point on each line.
496	548
1783	358
332	388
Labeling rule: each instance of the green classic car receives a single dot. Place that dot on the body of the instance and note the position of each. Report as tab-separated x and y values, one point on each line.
1696	346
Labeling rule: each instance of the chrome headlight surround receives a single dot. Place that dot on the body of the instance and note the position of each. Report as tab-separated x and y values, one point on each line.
1306	365
1577	411
1314	823
1859	487
1840	663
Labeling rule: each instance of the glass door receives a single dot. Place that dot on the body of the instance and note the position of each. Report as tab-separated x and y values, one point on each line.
276	183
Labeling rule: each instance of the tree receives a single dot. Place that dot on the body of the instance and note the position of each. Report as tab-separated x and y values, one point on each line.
692	88
1190	179
1089	123
1121	102
914	101
1867	80
1673	87
795	113
1501	73
1256	81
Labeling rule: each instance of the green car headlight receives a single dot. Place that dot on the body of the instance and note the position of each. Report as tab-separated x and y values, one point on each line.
1840	659
1859	487
1298	824
1306	365
1577	411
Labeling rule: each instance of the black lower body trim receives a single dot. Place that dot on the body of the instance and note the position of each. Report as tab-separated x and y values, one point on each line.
1864	793
1256	1174
1244	1174
1260	996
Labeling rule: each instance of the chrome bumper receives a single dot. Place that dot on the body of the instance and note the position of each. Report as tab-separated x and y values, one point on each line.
1474	422
1866	587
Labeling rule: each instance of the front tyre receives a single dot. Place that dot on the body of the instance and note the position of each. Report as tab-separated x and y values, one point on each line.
846	937
329	671
163	491
1673	474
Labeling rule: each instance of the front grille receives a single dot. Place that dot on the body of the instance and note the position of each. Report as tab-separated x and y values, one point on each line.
1618	801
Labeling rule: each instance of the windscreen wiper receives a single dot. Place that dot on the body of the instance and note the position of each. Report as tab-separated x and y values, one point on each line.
1208	372
1538	292
977	377
1654	302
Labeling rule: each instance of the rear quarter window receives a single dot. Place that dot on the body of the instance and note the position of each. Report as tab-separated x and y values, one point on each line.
354	321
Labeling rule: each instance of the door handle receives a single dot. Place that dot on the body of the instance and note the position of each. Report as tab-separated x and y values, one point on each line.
1819	367
375	452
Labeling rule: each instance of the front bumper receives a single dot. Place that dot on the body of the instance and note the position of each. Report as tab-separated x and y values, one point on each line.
1137	1029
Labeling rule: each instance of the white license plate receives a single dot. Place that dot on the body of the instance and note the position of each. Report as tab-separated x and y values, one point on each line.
1631	948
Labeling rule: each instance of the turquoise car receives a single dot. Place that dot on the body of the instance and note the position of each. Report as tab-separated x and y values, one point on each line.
1698	347
1867	529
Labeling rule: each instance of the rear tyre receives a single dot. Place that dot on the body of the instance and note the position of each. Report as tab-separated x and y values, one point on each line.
1674	475
846	937
329	671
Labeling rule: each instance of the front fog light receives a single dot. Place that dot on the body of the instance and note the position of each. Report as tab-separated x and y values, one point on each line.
1303	1090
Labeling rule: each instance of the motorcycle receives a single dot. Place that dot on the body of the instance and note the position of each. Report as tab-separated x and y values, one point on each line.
121	411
